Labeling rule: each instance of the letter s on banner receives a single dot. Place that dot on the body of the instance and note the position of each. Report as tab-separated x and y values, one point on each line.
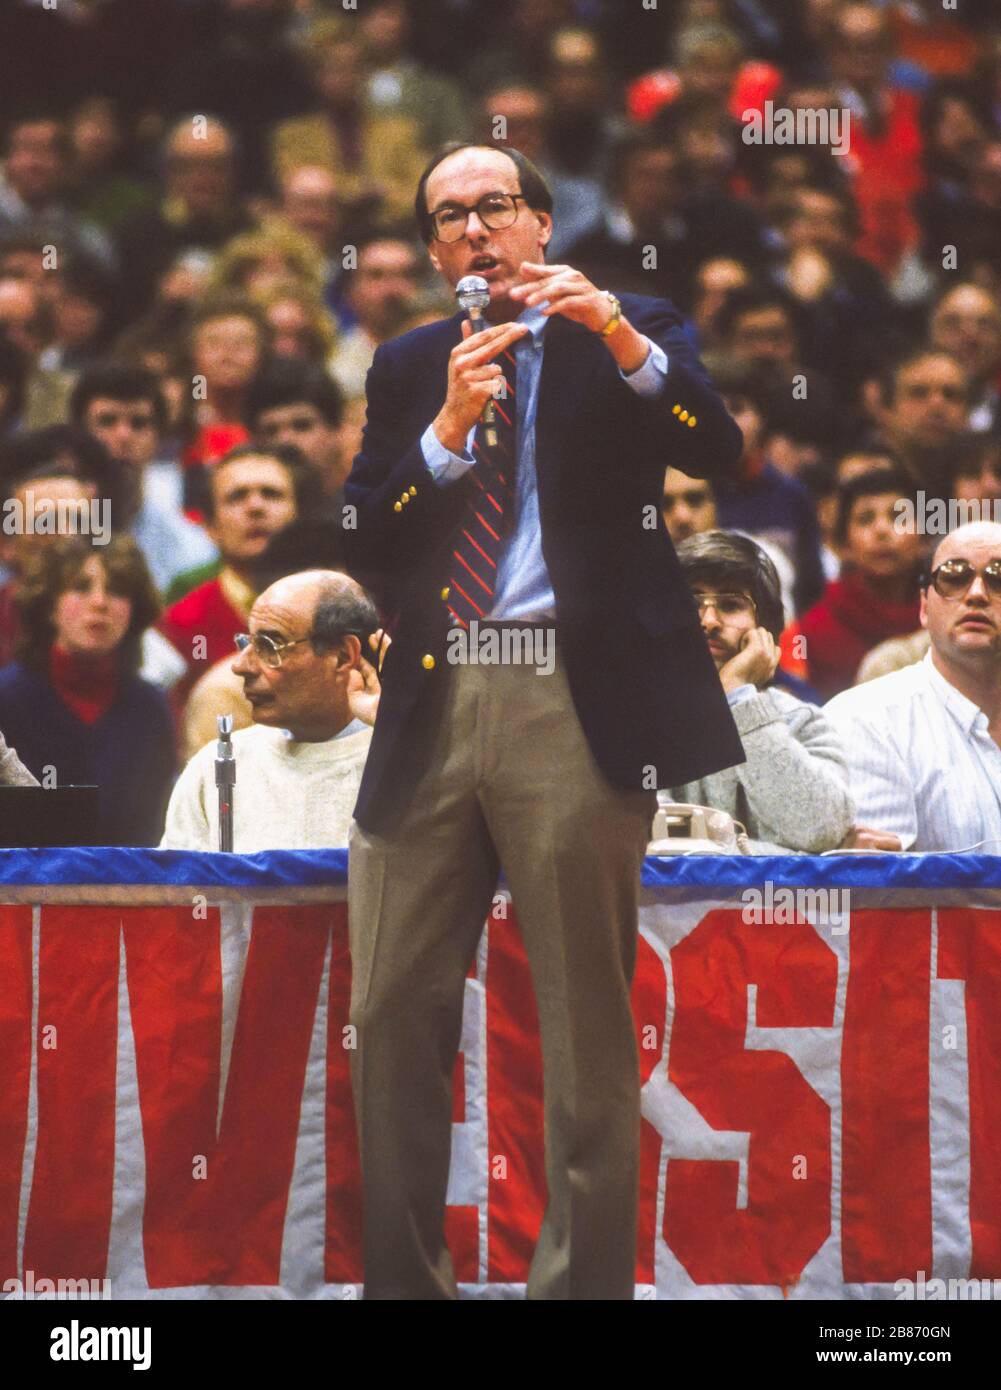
762	1093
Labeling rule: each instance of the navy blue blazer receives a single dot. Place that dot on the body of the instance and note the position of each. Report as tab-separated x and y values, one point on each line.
642	681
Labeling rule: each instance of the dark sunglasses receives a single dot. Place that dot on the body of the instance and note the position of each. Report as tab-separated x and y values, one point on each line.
952	578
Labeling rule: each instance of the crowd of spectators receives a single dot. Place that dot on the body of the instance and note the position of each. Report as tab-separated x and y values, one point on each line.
207	229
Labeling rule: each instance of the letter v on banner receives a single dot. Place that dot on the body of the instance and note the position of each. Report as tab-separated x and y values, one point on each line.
227	1228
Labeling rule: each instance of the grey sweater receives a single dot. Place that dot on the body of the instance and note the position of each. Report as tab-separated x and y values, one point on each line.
13	772
792	792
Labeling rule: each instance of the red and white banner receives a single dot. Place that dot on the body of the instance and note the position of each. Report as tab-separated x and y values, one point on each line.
821	1100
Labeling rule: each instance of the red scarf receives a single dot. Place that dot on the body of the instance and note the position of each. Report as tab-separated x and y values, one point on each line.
87	685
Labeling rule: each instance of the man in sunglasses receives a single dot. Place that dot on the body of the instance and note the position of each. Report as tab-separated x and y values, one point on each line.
923	743
300	763
550	521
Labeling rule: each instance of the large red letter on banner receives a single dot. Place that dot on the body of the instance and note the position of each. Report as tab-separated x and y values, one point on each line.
763	1093
69	1216
969	948
215	1206
15	1072
886	1162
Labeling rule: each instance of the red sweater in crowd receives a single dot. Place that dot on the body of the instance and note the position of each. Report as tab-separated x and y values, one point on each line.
847	623
202	626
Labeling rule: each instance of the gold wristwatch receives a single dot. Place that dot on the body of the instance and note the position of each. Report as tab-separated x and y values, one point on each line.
616	318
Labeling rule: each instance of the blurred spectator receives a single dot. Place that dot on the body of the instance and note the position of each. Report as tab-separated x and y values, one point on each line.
759	327
227	342
709	66
310	206
922	743
791	792
922	404
715	280
583	128
382	294
301	763
375	158
255	262
197	213
955	129
876	595
26	317
34	187
85	313
652	237
41	470
518	115
105	187
800	433
687	505
399	86
850	317
977	476
295	404
32	486
72	704
962	224
122	408
299	323
28	322
762	501
244	70
252	493
306	544
966	322
886	158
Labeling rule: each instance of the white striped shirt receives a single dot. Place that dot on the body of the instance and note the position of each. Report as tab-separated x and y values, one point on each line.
921	762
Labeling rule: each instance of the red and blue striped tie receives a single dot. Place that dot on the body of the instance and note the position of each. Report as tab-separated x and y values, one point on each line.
490	510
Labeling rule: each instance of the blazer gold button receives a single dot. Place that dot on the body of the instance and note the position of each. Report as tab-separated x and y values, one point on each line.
405	498
691	422
445	592
677	410
413	492
683	415
427	661
397	506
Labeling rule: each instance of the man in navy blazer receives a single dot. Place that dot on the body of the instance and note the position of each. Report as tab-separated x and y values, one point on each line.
549	774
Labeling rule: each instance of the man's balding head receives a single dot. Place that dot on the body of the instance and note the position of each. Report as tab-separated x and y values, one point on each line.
315	622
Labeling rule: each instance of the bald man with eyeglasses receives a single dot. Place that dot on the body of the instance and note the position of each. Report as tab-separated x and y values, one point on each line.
300	764
924	744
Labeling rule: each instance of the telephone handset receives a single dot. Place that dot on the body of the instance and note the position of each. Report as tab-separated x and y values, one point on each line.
682	828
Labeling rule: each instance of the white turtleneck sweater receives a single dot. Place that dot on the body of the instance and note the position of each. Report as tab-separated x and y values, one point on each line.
289	794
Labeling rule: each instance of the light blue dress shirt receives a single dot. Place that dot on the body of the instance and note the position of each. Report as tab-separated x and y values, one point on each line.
524	589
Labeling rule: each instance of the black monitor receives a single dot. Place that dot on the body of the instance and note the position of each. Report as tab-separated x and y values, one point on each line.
40	817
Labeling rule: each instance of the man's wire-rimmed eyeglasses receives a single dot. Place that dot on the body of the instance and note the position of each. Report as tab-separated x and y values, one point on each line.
266	649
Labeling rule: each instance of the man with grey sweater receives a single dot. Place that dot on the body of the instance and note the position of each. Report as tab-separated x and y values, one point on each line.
791	794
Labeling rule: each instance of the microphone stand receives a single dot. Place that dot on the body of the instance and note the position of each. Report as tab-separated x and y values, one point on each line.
225	780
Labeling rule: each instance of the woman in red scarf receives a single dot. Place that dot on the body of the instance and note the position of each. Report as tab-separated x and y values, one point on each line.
72	704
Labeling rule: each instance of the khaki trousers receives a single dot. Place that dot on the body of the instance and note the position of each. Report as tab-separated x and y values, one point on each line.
511	781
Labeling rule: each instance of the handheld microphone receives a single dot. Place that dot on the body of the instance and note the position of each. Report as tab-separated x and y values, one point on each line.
473	294
225	780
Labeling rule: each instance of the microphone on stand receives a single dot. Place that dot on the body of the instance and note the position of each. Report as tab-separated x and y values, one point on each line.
473	294
225	780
